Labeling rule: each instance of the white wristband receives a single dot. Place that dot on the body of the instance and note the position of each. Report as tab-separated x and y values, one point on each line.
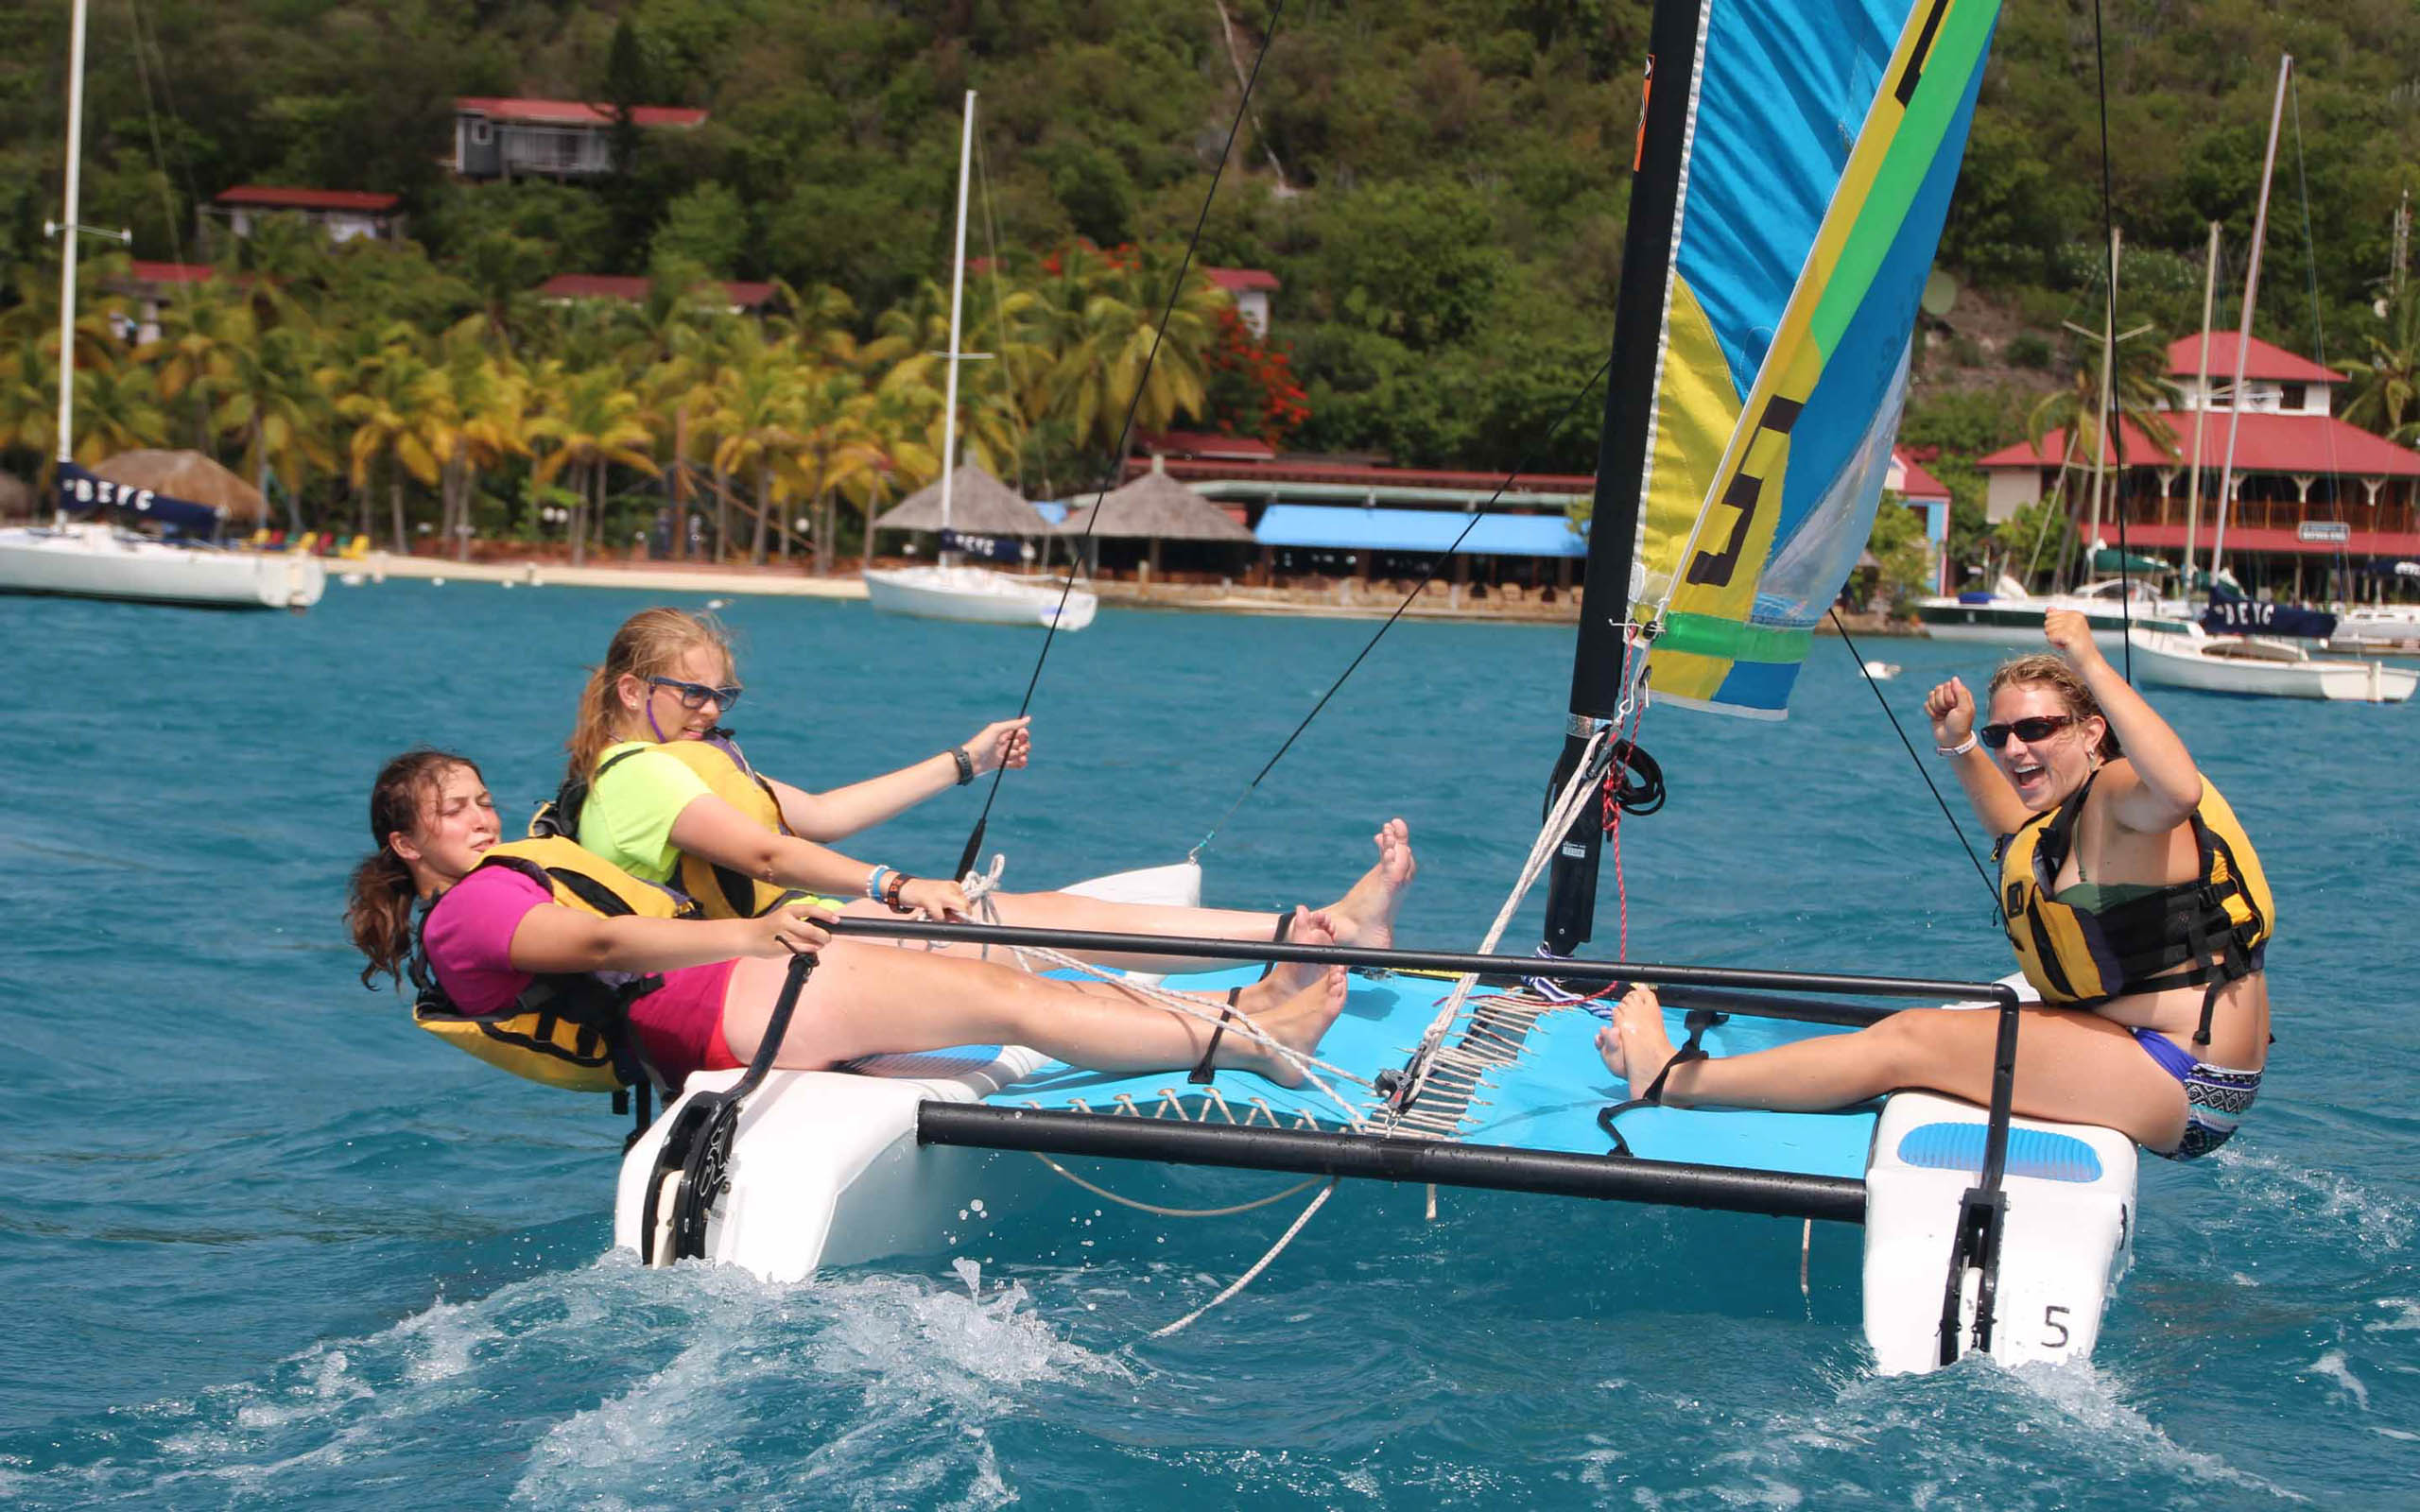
1959	749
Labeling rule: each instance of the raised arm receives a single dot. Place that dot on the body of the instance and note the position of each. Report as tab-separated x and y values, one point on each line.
1951	708
2165	786
845	811
553	939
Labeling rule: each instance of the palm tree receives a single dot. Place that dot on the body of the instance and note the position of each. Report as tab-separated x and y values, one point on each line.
482	421
202	332
592	422
268	395
116	410
756	413
1104	328
836	453
2386	389
2139	391
396	400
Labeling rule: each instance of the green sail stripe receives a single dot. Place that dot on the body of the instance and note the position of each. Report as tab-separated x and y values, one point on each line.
1957	52
1731	639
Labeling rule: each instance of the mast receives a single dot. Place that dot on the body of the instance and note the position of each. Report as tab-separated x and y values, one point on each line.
2244	337
67	233
957	297
2201	411
2101	418
1601	667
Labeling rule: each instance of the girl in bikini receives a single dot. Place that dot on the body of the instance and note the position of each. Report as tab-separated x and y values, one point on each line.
2135	904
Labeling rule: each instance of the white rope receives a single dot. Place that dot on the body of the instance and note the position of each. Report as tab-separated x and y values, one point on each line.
1577	793
980	886
1246	1278
1157	1210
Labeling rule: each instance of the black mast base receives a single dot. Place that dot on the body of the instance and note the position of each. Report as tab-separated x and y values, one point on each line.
1383	1158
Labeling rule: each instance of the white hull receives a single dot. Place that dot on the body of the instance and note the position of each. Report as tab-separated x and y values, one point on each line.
92	560
2264	669
978	596
825	1170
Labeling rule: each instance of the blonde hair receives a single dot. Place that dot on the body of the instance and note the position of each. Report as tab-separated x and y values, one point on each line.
648	644
2051	671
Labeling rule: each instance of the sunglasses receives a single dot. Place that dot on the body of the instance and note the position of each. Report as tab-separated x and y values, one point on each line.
697	694
2042	726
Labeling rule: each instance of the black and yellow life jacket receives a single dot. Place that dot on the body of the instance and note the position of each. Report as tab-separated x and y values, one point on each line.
2206	931
568	1029
719	892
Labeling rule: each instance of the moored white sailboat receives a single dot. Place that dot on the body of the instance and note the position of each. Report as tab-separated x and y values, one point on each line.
97	558
952	589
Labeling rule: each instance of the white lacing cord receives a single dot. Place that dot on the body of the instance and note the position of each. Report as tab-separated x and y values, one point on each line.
978	887
1261	1265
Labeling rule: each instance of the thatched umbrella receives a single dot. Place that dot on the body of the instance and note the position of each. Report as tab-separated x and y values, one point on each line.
16	497
979	504
1153	508
187	475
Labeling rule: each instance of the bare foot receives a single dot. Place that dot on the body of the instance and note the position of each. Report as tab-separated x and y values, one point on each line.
1636	1045
1298	1024
1286	978
1366	915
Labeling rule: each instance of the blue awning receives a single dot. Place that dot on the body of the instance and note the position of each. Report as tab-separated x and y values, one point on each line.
1419	530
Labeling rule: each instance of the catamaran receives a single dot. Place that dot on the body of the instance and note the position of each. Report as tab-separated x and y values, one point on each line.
1749	418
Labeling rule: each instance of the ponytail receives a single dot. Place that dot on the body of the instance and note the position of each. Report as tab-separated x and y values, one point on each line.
378	905
647	645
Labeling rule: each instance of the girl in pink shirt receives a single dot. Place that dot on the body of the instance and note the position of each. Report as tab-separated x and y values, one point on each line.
486	939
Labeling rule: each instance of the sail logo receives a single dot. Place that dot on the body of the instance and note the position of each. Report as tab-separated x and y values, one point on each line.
1715	568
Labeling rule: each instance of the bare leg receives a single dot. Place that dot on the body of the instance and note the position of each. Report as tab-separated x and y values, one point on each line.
865	1000
2072	1066
1364	916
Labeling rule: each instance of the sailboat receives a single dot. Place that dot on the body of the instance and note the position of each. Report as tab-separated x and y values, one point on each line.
2229	661
1748	417
98	557
953	590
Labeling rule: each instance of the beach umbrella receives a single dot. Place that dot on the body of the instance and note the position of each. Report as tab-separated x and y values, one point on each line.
1154	506
981	505
187	475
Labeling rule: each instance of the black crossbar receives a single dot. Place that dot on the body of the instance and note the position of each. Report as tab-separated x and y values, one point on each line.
1384	1158
1103	942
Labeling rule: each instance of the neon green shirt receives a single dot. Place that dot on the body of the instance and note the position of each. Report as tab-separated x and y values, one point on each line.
628	817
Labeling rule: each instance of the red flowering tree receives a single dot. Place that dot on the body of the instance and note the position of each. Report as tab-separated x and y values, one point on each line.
1252	388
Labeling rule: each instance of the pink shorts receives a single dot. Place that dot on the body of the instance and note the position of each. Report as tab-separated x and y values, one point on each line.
680	1023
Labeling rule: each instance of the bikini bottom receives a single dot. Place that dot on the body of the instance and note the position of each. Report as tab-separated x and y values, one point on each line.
2215	1097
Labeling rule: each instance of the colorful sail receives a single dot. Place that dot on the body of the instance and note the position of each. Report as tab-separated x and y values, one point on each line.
1824	141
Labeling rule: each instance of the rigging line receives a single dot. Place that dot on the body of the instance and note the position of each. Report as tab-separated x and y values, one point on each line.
1126	427
1008	363
2109	359
1408	599
1955	828
151	122
2318	327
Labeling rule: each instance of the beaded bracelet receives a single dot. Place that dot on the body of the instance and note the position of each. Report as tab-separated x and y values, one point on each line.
965	765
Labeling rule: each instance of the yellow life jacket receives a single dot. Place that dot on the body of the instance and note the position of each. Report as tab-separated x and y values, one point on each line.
569	1029
719	892
2166	938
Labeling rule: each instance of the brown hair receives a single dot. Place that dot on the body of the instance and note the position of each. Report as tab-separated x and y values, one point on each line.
647	645
379	909
2051	671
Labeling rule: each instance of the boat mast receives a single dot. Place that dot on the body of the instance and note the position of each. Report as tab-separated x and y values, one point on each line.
957	298
2101	418
1601	667
2201	411
2243	335
67	233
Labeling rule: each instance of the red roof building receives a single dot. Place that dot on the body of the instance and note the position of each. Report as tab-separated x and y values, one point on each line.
1250	287
344	214
2305	483
1930	497
495	138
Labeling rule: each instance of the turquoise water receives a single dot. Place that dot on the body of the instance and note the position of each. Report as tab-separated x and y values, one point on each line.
262	1243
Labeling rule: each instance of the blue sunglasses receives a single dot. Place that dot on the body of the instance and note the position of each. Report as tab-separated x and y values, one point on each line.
697	694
